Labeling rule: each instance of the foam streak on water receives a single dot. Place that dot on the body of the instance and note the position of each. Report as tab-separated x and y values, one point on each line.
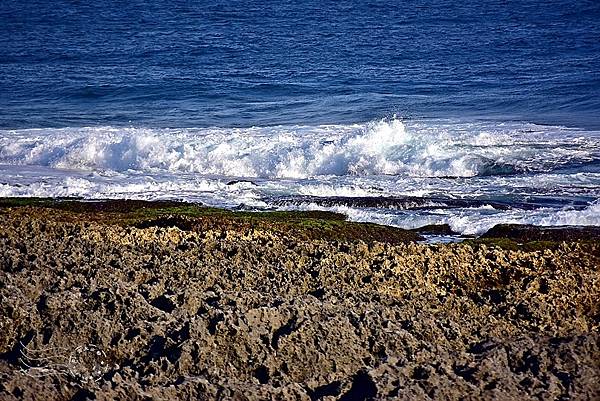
545	175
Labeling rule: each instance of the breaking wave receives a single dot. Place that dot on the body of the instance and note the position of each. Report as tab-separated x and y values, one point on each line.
386	147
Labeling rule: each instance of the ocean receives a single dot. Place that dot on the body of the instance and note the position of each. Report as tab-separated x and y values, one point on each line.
401	113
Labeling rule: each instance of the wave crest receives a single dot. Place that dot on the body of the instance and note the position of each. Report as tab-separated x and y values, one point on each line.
386	147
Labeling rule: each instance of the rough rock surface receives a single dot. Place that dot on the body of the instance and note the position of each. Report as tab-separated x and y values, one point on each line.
92	310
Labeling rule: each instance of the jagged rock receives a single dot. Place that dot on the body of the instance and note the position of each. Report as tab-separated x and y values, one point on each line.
227	312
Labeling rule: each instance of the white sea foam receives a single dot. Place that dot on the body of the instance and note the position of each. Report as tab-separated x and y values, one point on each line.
552	166
415	149
467	221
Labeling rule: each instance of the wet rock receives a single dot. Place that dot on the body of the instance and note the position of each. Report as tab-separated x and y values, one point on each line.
435	229
234	182
390	202
527	233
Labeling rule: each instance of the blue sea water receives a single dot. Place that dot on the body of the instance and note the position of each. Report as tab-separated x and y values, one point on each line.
487	101
242	63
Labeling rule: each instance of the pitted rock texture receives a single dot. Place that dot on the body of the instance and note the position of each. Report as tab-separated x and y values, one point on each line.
92	310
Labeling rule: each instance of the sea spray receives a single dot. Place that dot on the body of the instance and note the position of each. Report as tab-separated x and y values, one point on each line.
489	172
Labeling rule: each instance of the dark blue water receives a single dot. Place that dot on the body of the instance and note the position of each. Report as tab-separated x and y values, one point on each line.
244	63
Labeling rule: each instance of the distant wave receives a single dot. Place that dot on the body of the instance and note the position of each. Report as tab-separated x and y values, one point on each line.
386	147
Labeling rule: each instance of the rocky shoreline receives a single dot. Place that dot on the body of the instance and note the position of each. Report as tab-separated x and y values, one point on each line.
139	301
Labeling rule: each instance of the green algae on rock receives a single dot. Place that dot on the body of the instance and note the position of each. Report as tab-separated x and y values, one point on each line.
189	216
